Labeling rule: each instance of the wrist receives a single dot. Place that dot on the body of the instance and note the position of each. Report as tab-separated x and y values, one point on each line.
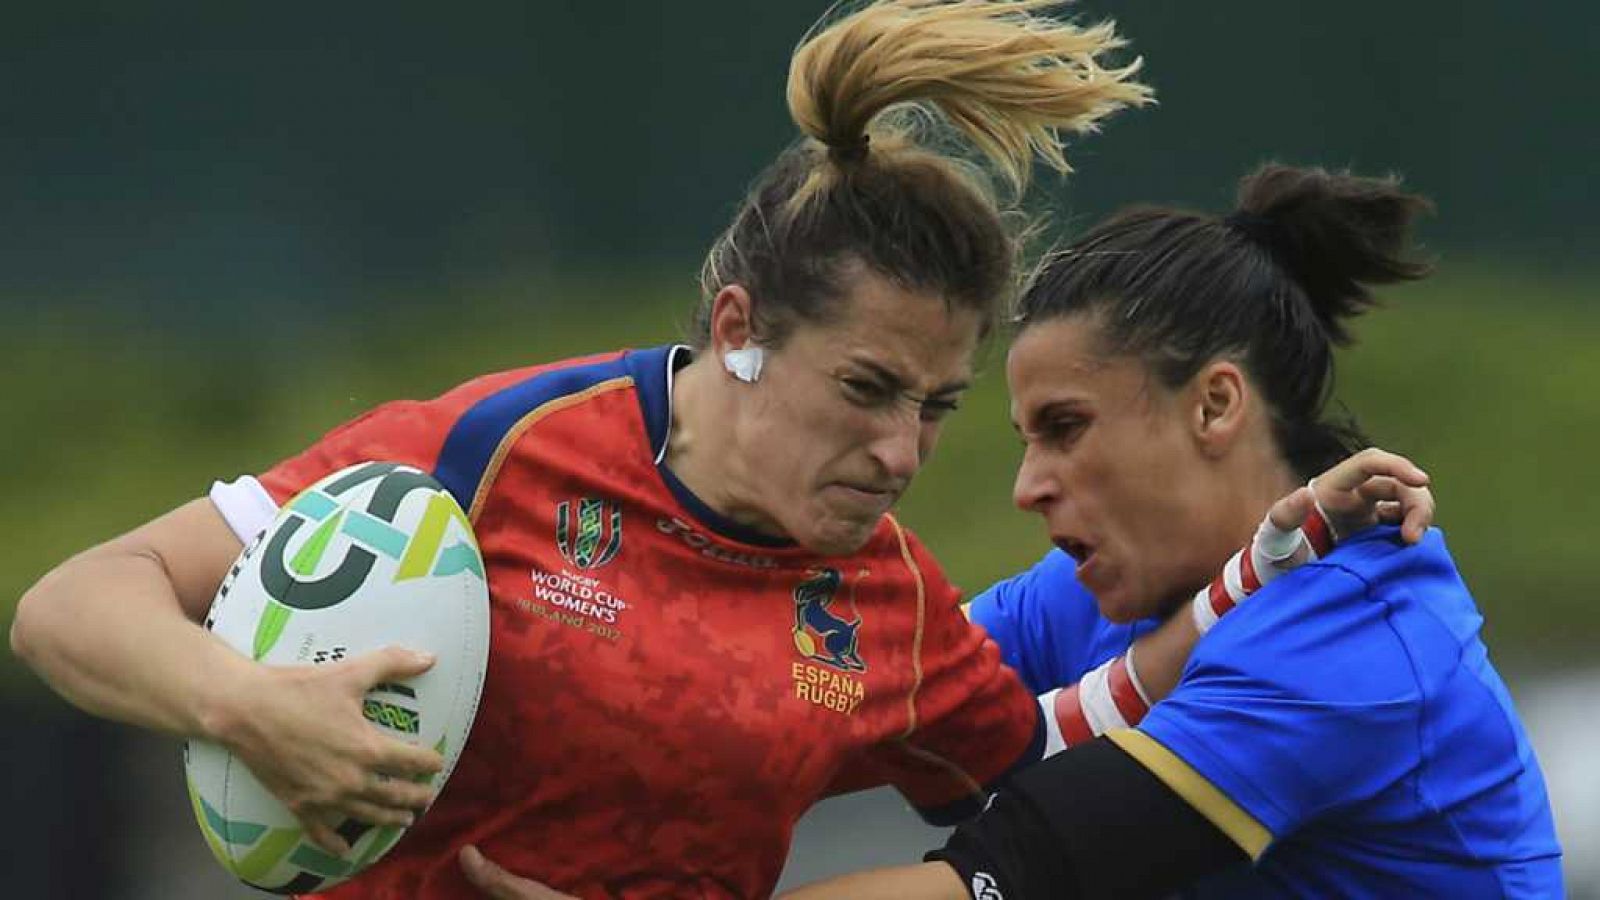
1108	698
222	696
1271	552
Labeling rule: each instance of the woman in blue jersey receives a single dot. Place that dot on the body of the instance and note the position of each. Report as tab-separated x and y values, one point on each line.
1343	733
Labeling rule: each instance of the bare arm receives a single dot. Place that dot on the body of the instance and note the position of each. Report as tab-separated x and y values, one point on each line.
925	881
115	630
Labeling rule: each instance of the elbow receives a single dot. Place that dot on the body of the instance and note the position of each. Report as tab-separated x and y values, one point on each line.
23	628
30	628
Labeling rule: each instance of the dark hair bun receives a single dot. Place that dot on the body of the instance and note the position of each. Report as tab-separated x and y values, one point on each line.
1334	232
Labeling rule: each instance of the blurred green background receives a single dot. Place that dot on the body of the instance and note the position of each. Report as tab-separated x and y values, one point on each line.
229	227
1481	375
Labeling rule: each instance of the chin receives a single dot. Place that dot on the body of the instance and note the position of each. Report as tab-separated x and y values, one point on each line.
1119	614
838	538
1121	608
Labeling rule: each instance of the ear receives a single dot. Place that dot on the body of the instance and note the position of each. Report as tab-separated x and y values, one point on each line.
732	320
1220	394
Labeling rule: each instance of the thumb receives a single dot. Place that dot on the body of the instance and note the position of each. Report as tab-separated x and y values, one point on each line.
1289	512
479	870
499	884
491	879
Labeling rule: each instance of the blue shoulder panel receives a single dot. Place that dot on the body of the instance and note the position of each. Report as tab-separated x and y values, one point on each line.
649	369
473	440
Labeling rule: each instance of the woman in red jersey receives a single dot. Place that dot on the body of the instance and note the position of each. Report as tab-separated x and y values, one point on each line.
773	636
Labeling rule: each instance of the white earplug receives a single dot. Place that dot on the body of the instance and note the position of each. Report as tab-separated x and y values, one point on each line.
744	363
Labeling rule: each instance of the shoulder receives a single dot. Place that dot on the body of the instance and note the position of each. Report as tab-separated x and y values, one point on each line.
484	396
1333	630
1379	557
1054	578
1373	566
499	399
1049	626
1045	602
435	434
1373	580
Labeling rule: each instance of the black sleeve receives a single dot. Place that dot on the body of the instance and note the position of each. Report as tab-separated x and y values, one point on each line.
1089	822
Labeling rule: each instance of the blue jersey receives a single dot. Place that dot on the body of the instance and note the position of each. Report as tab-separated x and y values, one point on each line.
1047	624
1344	727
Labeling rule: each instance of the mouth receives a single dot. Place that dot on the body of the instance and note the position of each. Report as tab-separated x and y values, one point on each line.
1080	551
868	494
868	488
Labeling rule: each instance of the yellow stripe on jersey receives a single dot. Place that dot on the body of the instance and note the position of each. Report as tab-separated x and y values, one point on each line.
967	782
1218	808
523	424
916	640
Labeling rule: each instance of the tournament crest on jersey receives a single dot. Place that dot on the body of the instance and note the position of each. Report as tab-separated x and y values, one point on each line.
821	634
588	531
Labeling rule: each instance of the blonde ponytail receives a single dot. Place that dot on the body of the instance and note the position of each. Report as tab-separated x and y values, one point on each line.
1010	80
865	187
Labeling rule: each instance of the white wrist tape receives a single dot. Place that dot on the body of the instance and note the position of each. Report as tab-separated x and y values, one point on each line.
1106	699
1272	552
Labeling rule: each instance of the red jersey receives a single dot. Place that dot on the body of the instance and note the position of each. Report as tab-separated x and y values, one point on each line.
667	692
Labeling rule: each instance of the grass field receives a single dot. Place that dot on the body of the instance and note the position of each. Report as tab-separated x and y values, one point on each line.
1488	380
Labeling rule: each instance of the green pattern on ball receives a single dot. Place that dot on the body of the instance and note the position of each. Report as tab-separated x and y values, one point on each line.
267	853
269	628
308	857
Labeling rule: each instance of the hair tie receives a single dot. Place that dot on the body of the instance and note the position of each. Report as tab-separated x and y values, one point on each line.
853	152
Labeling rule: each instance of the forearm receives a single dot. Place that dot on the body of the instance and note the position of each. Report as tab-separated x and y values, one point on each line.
928	881
106	631
1160	655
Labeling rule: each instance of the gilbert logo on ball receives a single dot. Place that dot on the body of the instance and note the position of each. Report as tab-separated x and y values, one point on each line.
375	555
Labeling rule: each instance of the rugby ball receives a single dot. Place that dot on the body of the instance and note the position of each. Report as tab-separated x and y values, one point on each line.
375	555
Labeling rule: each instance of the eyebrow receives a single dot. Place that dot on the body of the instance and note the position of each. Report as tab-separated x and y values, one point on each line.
1051	408
899	384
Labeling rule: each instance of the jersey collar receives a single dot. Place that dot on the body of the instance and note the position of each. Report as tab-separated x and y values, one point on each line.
653	371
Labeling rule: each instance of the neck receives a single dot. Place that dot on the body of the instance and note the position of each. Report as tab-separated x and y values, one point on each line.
1259	480
702	447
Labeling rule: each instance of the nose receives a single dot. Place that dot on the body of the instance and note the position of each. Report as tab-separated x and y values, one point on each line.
900	449
1035	488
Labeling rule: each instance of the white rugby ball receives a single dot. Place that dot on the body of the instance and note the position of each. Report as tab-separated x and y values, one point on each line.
378	554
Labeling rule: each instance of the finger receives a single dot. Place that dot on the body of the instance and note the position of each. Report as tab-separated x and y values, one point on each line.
378	814
396	793
1390	512
485	875
1418	505
403	760
1350	473
499	884
1289	512
390	664
478	870
1380	487
1413	520
323	835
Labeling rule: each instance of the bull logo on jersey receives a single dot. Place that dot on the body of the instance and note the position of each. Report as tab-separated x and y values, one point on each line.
589	536
820	634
